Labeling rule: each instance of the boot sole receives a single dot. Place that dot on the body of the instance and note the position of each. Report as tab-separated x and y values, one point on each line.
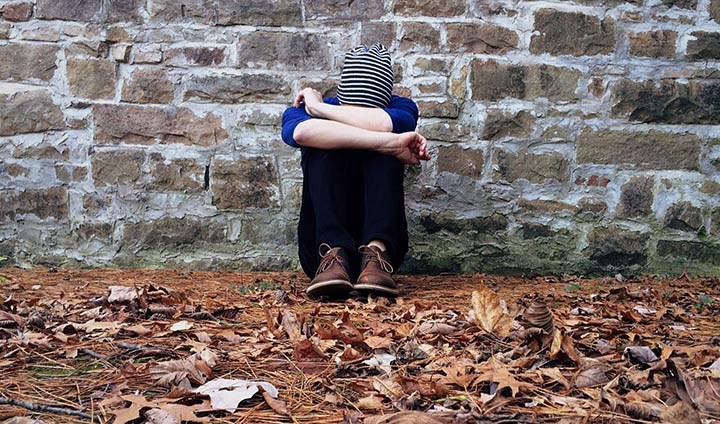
331	288
377	289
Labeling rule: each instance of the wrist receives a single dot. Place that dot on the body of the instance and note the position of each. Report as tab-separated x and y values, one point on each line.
315	109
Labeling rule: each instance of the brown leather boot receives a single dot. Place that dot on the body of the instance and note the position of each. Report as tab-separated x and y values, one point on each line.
376	272
331	278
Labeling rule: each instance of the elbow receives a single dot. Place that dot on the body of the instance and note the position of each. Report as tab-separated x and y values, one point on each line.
387	126
300	135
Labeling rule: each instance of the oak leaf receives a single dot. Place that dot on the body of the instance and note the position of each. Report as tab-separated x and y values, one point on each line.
489	314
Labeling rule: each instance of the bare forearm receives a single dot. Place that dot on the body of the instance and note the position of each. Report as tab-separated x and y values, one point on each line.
373	119
329	134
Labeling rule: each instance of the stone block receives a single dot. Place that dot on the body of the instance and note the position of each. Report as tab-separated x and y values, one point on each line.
117	167
433	65
690	250
70	173
705	45
480	38
636	197
492	81
148	86
500	124
715	10
667	101
681	4
651	150
616	247
535	168
151	53
260	12
92	78
449	131
433	222
43	203
97	11
120	53
715	222
17	12
223	88
5	30
28	109
344	11
195	56
572	33
176	174
173	233
461	161
26	62
382	32
653	43
419	35
243	184
283	50
147	125
438	109
436	8
684	216
200	11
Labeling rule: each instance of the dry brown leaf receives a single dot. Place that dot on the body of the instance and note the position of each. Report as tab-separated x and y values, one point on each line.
292	326
591	377
436	328
639	355
538	315
276	405
377	342
680	413
182	373
120	294
495	372
405	417
489	313
556	346
373	402
159	416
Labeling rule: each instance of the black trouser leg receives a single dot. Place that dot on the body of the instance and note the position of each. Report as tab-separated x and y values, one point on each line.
329	211
384	205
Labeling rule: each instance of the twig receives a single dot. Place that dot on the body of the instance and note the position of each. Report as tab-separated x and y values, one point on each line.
144	351
45	408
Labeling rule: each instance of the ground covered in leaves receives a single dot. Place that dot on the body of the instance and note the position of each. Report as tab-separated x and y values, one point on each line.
169	346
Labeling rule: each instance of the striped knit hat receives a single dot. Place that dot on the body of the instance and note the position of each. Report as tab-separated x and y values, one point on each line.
367	77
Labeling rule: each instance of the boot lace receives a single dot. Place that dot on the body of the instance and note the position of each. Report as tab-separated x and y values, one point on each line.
375	255
329	258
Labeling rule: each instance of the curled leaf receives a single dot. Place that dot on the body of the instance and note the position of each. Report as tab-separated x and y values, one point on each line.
538	315
591	377
639	355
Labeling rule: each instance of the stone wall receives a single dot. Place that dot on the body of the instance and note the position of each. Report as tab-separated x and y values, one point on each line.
568	136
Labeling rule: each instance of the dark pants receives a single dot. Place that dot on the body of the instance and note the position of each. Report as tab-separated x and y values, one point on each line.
351	197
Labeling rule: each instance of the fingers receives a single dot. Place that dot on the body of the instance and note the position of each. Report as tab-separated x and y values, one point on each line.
299	99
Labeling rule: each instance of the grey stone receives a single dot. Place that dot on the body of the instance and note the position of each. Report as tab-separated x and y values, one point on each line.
343	10
148	86
172	233
636	198
572	33
260	13
535	168
433	222
382	32
429	7
117	167
419	35
449	131
283	50
236	88
90	10
147	125
195	56
461	161
201	11
186	175
668	102
492	81
659	43
691	250
91	79
244	183
684	216
17	12
615	248
25	62
651	150
706	45
480	38
27	109
715	10
682	4
500	124
438	109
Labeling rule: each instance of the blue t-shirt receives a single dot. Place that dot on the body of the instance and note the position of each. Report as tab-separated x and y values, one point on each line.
403	114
